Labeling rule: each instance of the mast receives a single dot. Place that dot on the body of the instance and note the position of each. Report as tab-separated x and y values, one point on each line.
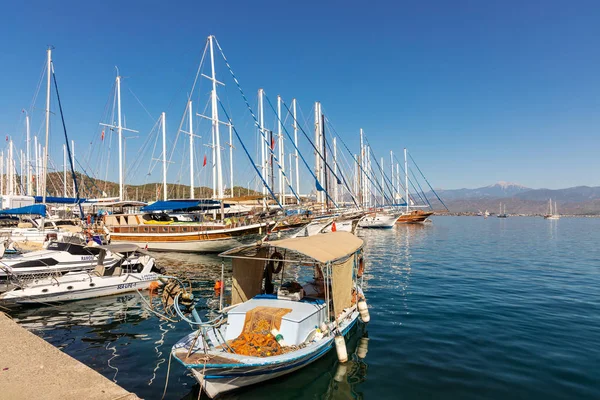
261	140
120	134
324	153
164	155
361	188
11	172
335	171
397	179
64	170
382	183
215	123
191	127
45	156
370	174
2	172
231	157
28	163
37	167
281	154
296	143
406	178
73	164
394	189
317	150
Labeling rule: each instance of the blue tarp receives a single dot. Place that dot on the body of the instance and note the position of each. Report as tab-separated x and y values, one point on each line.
37	209
182	205
58	200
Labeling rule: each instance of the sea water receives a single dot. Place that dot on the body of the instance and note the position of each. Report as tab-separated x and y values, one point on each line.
463	307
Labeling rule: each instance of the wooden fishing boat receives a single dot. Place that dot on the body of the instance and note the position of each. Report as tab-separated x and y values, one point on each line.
270	332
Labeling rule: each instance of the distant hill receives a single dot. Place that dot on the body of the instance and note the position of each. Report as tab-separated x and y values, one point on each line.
519	199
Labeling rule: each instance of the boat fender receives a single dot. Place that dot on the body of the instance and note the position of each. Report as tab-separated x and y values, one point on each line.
340	373
276	256
361	267
363	347
363	309
340	348
324	328
278	337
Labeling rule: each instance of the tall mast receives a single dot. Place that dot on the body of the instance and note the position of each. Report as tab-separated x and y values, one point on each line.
406	177
10	166
215	122
37	166
361	188
164	155
335	185
369	190
318	147
296	143
392	176
382	182
231	157
191	128
64	170
73	163
263	159
120	134
2	172
45	156
398	179
28	164
281	153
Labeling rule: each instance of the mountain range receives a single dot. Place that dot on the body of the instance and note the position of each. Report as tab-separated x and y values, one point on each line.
519	199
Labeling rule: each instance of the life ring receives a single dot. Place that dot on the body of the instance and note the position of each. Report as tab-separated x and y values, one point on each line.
361	267
276	256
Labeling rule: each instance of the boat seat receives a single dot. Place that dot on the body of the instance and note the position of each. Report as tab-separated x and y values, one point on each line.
100	270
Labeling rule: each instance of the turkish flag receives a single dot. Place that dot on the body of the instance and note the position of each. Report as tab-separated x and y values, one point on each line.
272	144
102	136
204	163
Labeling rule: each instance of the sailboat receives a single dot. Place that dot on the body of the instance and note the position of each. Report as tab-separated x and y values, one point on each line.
552	212
502	213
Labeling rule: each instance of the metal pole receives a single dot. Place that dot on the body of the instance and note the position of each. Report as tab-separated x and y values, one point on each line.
281	153
191	123
215	121
231	157
263	159
164	158
318	146
64	170
406	178
29	188
73	163
296	143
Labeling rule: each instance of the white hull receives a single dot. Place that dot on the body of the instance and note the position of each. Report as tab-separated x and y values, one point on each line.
188	246
378	220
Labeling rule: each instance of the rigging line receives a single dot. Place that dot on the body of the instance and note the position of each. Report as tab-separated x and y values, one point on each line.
62	117
261	129
250	157
367	175
341	174
426	200
430	187
385	178
140	102
410	181
302	157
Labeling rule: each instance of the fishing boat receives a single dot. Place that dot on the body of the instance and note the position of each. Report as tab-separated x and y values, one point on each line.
104	280
270	332
552	212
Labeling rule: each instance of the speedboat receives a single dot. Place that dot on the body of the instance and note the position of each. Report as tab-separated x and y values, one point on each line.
56	259
266	333
120	277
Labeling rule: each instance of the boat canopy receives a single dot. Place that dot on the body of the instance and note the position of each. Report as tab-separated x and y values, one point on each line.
35	209
125	203
58	200
182	205
323	248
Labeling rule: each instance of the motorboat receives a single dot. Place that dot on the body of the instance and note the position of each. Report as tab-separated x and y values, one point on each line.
58	258
271	330
104	280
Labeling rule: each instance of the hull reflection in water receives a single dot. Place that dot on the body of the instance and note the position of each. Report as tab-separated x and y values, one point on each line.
325	379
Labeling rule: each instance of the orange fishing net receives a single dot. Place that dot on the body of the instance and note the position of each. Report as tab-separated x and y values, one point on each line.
256	338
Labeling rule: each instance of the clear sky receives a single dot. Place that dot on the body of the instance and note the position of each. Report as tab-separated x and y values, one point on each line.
479	91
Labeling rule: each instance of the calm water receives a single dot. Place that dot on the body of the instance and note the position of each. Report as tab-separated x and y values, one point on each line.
463	308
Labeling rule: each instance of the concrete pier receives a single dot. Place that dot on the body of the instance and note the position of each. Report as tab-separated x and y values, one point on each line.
31	368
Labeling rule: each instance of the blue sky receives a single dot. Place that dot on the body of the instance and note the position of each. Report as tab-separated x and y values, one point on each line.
478	91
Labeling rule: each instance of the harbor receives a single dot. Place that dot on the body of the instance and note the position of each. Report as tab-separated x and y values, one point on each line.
234	201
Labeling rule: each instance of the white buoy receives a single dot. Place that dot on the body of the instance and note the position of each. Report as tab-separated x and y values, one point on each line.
364	311
340	347
340	373
363	347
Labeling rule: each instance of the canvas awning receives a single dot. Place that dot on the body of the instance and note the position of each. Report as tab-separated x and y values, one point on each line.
35	209
322	248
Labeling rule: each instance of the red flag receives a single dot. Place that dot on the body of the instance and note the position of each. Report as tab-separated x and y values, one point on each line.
102	136
204	163
333	227
272	144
